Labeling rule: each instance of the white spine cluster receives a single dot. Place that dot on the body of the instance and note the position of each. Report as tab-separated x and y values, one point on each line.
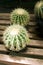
15	38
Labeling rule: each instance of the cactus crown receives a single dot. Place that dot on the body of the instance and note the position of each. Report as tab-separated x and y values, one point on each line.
39	9
15	37
19	16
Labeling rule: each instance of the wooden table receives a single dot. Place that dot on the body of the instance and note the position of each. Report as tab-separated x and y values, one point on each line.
33	55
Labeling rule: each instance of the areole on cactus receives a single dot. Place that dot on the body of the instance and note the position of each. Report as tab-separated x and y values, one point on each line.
39	9
15	37
20	16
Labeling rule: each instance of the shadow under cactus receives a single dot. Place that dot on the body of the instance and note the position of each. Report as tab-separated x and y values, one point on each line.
17	53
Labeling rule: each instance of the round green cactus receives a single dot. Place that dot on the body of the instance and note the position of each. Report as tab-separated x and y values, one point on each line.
19	16
39	9
15	38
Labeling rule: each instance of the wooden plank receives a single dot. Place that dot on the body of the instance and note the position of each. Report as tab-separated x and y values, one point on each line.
34	36
13	60
7	16
27	51
16	60
33	51
36	43
4	22
3	27
4	16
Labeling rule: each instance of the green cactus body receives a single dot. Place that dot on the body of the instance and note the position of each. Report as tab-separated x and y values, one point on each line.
15	38
39	9
19	16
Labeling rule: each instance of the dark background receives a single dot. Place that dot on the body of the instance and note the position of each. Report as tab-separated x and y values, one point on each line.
9	5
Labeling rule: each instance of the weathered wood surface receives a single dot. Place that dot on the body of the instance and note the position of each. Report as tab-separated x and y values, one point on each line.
33	55
16	60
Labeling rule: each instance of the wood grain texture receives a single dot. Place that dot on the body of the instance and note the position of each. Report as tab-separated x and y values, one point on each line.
4	22
32	55
16	60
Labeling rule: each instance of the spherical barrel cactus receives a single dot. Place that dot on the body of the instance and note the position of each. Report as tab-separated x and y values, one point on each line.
15	38
38	10
20	16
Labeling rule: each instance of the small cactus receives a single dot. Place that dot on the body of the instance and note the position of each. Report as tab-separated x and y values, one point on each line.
19	16
15	38
39	9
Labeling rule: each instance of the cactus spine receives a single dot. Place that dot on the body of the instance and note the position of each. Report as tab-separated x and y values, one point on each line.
19	16
15	38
